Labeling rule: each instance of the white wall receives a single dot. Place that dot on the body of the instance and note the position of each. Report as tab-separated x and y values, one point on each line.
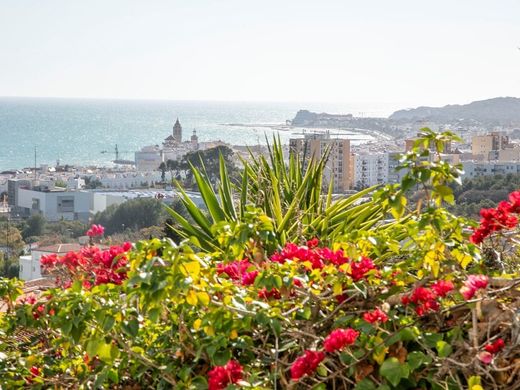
30	266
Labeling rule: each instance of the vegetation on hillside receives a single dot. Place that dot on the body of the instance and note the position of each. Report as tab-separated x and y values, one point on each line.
482	192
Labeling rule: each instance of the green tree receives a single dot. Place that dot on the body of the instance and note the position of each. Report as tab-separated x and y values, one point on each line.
134	214
34	226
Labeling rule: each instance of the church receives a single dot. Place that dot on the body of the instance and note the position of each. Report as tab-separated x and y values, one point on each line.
174	140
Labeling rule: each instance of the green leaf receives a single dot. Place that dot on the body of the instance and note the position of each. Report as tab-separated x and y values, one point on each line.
416	358
443	349
220	358
365	384
392	370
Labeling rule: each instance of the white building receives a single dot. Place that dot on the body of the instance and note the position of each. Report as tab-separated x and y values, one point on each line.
148	158
65	205
489	168
30	267
370	169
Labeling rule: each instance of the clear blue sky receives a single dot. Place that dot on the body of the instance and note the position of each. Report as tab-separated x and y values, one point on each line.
408	52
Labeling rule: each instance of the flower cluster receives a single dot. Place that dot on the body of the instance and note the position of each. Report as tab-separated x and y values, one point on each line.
499	218
91	265
335	341
95	230
221	376
238	271
473	284
490	350
339	339
306	364
320	257
376	315
35	372
425	299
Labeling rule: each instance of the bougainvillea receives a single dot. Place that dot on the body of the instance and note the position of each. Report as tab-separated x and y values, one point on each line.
221	376
91	265
354	308
306	364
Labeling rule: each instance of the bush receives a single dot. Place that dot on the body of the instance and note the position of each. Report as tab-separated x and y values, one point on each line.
401	305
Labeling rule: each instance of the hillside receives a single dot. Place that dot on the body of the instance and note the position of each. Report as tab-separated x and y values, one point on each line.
501	110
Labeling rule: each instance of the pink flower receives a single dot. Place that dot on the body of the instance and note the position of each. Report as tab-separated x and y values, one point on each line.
237	270
221	376
485	357
339	339
472	285
376	315
95	230
306	364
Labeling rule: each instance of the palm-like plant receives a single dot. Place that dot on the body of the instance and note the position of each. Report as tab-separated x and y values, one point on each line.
290	194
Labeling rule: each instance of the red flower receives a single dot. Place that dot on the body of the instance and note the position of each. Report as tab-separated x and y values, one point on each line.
514	198
358	269
495	347
494	220
267	294
376	315
422	294
306	364
313	243
339	339
221	376
442	287
34	371
95	230
425	300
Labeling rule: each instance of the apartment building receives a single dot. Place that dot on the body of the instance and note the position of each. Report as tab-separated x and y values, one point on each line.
337	169
370	169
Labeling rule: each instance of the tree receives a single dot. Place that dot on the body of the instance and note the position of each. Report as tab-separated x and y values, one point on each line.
163	168
92	183
134	214
34	226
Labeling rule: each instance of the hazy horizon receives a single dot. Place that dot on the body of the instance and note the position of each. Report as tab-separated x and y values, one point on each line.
404	53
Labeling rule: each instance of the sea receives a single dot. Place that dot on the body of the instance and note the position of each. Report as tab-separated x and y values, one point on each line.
86	131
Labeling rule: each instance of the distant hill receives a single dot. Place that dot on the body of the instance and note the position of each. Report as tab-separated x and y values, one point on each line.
501	110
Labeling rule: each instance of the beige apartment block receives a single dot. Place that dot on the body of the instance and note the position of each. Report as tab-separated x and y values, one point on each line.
485	145
313	146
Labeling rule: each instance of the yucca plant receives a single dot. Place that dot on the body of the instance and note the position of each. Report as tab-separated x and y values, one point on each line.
290	194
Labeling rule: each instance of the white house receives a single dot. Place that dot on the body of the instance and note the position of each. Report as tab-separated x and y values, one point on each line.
30	267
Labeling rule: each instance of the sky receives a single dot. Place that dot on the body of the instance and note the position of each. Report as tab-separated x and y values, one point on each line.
403	52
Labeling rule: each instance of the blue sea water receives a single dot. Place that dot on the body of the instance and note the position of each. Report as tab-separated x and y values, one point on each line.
76	131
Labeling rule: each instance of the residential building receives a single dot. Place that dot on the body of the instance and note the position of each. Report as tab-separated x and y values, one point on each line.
148	158
489	145
489	168
370	169
337	169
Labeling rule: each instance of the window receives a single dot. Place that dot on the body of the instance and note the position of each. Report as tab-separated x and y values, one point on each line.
65	204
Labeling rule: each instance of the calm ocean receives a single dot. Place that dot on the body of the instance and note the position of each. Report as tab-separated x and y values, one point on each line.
76	131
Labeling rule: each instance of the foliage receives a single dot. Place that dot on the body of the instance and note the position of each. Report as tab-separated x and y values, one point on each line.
398	305
133	214
290	195
207	160
34	226
91	183
482	192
